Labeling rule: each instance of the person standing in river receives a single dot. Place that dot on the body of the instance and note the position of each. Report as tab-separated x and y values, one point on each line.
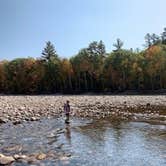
67	111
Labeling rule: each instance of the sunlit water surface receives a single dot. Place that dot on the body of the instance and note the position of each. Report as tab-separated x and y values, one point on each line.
104	142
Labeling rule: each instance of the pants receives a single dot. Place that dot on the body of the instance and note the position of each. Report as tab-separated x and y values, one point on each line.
67	118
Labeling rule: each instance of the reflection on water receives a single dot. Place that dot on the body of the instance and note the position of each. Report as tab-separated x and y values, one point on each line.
121	143
68	133
103	142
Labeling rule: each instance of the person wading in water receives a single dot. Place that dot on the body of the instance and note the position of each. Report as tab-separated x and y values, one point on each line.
67	111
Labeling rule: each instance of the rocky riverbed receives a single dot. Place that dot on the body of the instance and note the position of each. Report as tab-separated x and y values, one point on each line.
18	109
48	140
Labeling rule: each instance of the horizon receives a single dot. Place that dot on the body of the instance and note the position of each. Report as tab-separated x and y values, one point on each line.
27	25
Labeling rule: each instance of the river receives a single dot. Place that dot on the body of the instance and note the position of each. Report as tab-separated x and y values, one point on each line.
102	142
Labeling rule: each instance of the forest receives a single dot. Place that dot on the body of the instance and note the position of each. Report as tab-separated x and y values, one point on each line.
92	69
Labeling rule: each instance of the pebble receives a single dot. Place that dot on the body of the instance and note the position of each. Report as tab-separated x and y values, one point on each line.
41	156
64	158
3	120
32	108
5	160
16	157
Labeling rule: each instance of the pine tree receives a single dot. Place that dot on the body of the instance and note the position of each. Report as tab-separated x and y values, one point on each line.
49	52
118	45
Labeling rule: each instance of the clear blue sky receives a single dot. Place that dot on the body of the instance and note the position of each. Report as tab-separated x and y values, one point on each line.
25	25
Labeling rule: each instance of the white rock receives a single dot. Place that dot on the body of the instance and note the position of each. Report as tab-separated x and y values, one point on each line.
4	160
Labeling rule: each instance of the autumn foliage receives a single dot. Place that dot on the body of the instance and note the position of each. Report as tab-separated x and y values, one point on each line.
91	70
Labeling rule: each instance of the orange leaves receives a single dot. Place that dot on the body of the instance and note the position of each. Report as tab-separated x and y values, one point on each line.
152	51
66	67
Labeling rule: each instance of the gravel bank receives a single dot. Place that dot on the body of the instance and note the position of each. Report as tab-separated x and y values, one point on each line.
30	108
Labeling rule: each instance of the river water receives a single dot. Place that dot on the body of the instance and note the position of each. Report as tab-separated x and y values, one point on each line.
106	142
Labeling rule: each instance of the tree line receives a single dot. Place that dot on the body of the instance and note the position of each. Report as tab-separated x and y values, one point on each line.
92	69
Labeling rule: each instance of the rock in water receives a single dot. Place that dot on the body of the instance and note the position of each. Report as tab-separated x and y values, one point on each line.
17	157
41	156
64	158
5	160
34	119
3	120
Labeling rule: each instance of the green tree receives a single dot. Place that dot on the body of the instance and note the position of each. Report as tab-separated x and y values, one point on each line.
117	69
51	80
88	65
118	45
49	52
3	84
148	40
163	36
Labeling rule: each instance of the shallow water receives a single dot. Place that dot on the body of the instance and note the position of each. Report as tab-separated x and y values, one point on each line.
103	142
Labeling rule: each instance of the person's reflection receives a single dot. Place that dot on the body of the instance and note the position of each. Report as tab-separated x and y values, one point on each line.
68	133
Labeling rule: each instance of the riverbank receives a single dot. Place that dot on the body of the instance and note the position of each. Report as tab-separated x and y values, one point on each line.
18	109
